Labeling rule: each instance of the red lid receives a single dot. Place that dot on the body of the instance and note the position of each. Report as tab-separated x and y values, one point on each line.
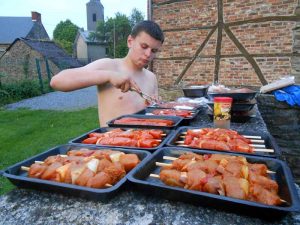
222	99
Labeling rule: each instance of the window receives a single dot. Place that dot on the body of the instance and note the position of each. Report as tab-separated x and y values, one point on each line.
94	17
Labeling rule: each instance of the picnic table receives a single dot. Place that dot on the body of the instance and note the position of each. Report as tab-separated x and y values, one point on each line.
26	206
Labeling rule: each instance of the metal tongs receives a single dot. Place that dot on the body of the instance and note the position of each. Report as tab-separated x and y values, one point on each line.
147	97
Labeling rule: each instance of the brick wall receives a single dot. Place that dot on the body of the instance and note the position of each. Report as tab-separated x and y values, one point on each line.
20	56
263	31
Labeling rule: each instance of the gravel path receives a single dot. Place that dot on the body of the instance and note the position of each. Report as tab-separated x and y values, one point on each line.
58	100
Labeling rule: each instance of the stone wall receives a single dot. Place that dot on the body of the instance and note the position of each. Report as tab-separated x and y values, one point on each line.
283	122
233	42
19	63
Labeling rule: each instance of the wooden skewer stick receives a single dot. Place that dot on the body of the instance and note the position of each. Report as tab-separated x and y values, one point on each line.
163	164
25	168
246	136
252	140
154	175
255	150
252	145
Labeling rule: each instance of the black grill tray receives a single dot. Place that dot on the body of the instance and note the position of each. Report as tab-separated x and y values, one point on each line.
151	109
270	142
234	96
19	177
79	139
177	120
287	191
238	106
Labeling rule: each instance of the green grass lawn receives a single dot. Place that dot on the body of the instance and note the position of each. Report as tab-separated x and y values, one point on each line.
25	133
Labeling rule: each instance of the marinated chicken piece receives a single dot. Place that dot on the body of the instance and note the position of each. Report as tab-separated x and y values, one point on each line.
258	168
195	180
116	171
84	177
208	166
172	177
263	181
191	155
236	187
36	170
262	195
129	161
214	185
99	180
50	172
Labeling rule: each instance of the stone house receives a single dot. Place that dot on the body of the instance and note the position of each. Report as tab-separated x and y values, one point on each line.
87	50
231	42
25	57
21	27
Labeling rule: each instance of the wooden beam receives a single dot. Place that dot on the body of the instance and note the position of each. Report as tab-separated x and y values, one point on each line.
246	54
293	18
219	41
195	55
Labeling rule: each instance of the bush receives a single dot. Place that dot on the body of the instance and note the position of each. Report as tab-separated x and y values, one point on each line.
17	91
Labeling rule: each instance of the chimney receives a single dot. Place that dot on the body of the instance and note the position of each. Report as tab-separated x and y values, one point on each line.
36	17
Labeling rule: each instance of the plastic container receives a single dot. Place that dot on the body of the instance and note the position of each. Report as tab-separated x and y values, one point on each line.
78	140
150	185
176	121
195	91
269	142
19	177
222	112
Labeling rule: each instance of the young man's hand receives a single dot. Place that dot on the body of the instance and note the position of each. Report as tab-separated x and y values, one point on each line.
123	82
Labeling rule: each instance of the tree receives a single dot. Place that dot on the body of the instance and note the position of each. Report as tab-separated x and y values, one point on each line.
64	34
115	32
135	17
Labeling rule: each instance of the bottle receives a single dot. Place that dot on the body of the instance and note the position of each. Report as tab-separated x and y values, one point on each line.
222	112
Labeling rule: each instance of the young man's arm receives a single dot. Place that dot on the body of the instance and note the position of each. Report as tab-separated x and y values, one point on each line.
89	75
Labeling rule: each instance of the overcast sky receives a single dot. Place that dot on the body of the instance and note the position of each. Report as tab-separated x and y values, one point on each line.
54	11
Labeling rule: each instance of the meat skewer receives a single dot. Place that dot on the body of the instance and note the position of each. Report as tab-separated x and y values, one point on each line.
252	145
91	168
245	136
174	158
220	139
131	138
255	150
25	168
251	140
231	176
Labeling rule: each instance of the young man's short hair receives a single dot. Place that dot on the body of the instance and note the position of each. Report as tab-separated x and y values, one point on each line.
150	28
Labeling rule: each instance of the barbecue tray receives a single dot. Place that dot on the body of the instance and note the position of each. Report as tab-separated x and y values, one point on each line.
238	106
270	142
177	120
149	185
20	179
185	120
79	139
234	96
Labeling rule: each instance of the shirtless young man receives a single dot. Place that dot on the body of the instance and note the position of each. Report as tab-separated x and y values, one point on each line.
116	77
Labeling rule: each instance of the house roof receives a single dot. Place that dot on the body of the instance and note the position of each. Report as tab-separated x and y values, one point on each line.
85	35
52	52
14	27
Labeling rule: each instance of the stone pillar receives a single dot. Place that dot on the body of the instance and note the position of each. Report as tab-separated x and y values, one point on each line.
295	61
283	122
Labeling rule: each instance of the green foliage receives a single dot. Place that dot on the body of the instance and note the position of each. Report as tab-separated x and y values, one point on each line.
17	91
66	45
115	31
135	17
25	133
65	33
